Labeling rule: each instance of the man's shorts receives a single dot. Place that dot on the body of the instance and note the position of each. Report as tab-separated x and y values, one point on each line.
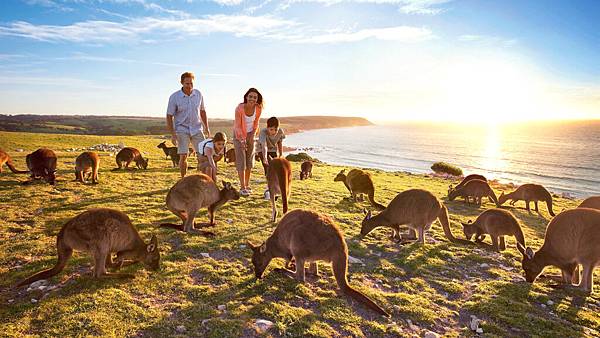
183	142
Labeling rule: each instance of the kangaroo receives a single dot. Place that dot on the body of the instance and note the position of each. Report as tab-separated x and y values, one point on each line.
528	193
128	155
359	182
306	170
87	163
5	158
230	156
476	189
101	232
42	164
170	152
571	239
279	178
194	192
591	202
309	237
416	208
465	180
497	223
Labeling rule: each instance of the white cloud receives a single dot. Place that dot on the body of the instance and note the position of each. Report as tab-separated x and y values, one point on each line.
153	29
430	7
487	39
49	4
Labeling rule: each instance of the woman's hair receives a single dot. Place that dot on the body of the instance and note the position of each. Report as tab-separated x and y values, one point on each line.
254	90
219	136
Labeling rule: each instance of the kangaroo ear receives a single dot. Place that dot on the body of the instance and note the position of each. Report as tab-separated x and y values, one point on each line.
153	244
529	252
226	185
368	215
464	224
470	221
263	247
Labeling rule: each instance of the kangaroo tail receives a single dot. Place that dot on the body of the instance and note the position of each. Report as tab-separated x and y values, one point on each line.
172	226
549	204
282	177
444	220
520	237
12	168
340	266
64	253
492	195
371	196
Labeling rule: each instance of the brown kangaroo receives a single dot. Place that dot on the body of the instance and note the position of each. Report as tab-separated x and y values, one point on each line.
101	232
42	164
571	239
194	192
129	155
230	156
359	182
465	180
528	193
416	208
476	189
5	158
170	152
279	179
309	237
497	223
591	202
86	164
306	170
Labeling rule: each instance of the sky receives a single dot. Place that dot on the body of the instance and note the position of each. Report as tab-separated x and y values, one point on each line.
386	60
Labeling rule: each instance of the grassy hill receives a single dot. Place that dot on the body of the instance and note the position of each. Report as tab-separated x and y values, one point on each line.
434	287
126	125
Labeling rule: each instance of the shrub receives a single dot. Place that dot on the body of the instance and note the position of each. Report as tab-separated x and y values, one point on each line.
446	168
300	157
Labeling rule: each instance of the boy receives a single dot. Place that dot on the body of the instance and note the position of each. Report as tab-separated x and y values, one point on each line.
270	142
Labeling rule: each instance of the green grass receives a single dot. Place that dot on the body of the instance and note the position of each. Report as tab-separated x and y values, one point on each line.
436	286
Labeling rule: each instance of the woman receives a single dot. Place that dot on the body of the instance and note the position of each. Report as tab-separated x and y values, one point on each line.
211	151
245	128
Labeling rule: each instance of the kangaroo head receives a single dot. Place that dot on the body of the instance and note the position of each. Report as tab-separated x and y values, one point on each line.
530	265
51	177
469	230
151	258
341	176
502	198
145	163
162	145
367	224
229	192
301	175
452	194
261	257
450	188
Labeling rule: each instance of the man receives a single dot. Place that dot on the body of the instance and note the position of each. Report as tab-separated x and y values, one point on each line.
186	119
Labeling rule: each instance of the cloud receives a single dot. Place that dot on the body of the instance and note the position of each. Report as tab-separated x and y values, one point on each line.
430	7
149	29
49	4
487	39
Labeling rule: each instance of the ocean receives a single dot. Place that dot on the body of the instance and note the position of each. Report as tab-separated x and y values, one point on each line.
563	157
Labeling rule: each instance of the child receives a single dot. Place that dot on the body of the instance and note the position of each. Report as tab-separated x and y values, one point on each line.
211	151
270	142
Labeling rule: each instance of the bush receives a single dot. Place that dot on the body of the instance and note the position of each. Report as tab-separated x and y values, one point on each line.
446	168
300	157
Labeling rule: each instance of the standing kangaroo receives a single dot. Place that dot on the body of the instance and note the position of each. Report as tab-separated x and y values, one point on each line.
571	239
101	232
306	170
465	180
230	156
129	155
497	223
279	179
194	192
5	158
528	193
591	202
359	182
87	163
416	208
42	164
476	189
309	237
170	152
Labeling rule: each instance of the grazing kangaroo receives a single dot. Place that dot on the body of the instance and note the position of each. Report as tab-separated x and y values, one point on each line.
170	152
497	223
465	180
359	182
129	155
528	193
571	239
306	170
194	192
42	164
101	232
591	202
279	179
86	164
476	189
416	208
5	158
230	156
309	237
